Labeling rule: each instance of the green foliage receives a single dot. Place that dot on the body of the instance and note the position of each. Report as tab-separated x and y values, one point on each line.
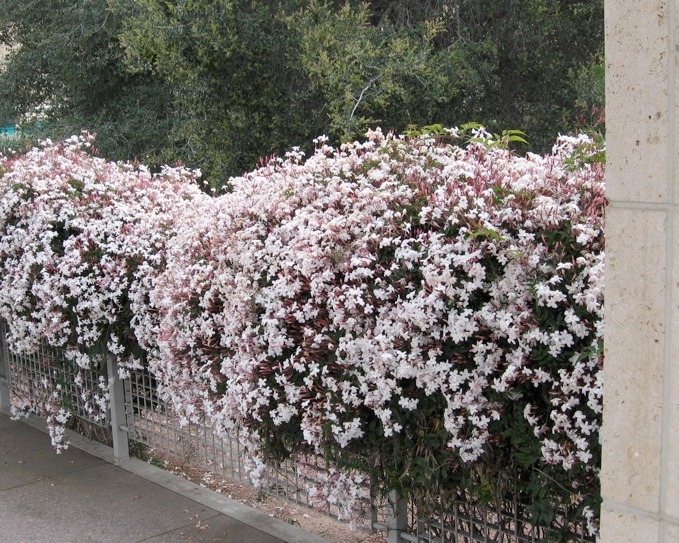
66	74
372	75
252	79
237	91
530	64
591	85
537	44
218	84
469	133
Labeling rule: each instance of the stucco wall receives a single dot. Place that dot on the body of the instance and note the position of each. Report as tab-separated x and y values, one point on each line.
640	473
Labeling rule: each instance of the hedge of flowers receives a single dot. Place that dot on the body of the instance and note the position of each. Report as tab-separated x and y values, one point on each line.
426	312
80	241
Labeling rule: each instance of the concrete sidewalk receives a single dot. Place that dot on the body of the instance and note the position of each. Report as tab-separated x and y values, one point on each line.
79	496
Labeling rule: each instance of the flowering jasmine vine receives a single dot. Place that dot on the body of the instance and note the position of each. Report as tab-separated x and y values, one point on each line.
80	240
426	312
396	293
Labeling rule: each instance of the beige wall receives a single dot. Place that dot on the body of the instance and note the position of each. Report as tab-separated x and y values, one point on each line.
640	472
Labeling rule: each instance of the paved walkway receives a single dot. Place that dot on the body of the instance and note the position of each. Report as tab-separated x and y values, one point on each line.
79	496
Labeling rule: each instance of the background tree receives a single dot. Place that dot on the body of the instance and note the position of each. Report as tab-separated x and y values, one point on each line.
368	75
255	78
536	64
67	74
238	92
221	83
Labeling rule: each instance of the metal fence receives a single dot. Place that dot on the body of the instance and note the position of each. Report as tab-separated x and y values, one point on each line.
30	379
153	426
461	521
140	421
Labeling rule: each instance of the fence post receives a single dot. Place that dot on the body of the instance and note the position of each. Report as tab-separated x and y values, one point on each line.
397	516
121	449
5	403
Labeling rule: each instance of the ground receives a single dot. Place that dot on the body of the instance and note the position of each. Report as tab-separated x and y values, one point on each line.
309	520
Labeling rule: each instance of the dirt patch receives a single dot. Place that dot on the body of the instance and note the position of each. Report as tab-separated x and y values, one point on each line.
307	519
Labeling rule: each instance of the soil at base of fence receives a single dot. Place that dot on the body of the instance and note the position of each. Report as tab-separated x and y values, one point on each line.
307	519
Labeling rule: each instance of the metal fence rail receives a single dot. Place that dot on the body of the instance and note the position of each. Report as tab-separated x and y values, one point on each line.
139	420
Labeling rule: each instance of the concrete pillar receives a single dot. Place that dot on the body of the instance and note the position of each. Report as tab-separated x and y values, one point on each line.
640	435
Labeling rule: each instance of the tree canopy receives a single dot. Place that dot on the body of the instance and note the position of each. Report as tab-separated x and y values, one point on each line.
221	83
65	73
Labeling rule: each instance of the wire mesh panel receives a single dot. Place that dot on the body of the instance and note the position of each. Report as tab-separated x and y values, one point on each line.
40	378
5	396
153	425
464	522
